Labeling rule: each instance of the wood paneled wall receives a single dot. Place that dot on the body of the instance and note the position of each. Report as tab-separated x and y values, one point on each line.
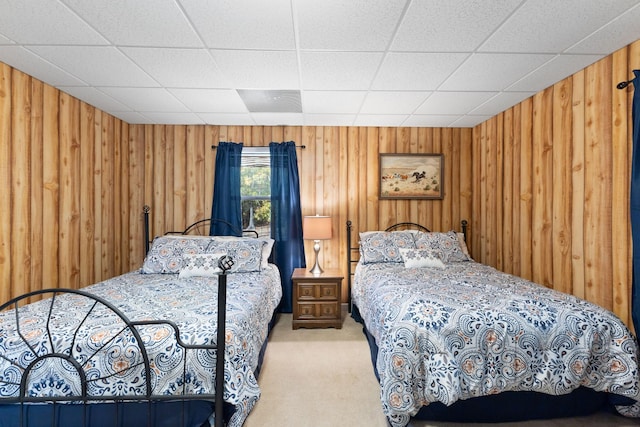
338	175
543	184
65	170
551	185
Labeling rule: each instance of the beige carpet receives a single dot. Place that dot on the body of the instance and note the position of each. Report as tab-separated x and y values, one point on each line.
324	377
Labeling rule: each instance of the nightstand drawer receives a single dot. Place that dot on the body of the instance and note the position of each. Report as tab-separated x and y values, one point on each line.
318	310
317	291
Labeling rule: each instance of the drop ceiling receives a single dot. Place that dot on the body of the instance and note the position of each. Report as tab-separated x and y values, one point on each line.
425	63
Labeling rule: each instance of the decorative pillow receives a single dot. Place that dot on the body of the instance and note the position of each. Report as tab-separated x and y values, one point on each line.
200	265
463	245
383	246
418	258
266	249
446	243
246	253
166	253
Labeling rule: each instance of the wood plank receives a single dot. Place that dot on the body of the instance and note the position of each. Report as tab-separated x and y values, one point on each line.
507	192
37	187
542	251
526	188
180	178
515	220
578	184
87	194
69	256
6	114
51	187
597	245
107	197
561	186
620	207
20	186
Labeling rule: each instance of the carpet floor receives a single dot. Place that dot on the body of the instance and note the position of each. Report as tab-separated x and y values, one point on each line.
324	377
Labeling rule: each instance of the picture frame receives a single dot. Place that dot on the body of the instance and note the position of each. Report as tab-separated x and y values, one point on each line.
411	176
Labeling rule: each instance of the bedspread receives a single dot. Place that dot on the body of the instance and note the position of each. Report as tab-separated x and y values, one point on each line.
470	330
190	303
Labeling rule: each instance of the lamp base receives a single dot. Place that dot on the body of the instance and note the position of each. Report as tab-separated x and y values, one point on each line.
316	270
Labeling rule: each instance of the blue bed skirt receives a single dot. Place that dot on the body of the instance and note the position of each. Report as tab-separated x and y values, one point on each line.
122	414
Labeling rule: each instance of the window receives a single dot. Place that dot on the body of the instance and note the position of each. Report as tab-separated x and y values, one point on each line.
255	190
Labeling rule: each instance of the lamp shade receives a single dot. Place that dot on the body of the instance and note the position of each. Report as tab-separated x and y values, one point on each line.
316	227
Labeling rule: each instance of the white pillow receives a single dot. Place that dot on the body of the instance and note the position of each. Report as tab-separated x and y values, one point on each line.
419	258
463	245
200	265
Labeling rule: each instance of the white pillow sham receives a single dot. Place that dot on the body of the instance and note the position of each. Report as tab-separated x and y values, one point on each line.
421	258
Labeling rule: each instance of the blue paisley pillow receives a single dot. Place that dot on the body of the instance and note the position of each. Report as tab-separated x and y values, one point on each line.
447	244
246	253
166	253
384	246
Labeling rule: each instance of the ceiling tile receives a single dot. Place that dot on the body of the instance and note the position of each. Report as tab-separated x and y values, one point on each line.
224	119
553	71
430	120
368	62
131	117
552	26
172	118
332	102
338	70
365	25
243	24
161	25
278	119
417	71
179	67
453	102
380	120
210	100
254	69
392	102
427	26
329	119
469	121
32	64
93	96
617	33
492	71
500	102
146	99
81	61
50	22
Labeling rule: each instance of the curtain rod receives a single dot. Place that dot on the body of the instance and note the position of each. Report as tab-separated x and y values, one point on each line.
302	147
622	85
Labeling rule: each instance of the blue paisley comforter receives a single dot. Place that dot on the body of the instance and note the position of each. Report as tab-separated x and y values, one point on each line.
470	330
190	303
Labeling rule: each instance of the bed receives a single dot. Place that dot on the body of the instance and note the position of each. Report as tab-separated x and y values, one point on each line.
455	340
141	348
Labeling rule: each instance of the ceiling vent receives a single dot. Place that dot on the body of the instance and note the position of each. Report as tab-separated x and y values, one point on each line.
271	101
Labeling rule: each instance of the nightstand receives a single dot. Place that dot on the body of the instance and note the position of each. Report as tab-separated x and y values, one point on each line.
316	299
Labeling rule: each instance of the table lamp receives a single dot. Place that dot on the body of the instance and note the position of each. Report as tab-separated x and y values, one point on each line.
316	228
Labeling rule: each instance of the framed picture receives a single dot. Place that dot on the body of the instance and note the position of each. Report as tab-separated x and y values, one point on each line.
411	176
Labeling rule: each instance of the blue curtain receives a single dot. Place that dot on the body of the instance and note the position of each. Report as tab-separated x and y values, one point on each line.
286	216
635	204
226	204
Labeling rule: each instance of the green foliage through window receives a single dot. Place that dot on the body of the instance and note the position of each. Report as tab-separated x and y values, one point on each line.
255	190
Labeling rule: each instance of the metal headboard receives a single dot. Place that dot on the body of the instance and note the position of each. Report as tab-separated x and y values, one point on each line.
192	227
